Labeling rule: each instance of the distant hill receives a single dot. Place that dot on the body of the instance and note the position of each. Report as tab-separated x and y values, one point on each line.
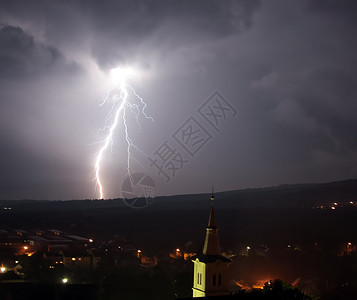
294	195
280	214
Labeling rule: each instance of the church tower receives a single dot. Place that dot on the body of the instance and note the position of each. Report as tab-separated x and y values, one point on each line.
211	268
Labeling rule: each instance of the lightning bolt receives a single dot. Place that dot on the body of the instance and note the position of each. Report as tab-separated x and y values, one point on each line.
120	106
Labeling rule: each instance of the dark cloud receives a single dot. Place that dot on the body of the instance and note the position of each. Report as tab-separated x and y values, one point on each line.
117	30
288	67
123	26
344	8
141	18
22	56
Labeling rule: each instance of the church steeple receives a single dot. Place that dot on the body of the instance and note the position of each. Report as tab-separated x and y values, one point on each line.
211	245
211	269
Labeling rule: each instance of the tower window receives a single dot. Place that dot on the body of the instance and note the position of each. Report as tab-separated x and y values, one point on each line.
214	279
200	278
219	279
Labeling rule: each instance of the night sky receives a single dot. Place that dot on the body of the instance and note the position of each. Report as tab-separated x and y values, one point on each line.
286	71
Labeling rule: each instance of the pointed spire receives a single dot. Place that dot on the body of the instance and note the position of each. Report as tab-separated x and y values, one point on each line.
211	245
212	217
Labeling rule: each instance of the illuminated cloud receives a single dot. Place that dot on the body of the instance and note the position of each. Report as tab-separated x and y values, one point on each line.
288	67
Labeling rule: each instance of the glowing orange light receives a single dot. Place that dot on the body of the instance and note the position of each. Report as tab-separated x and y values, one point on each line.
25	247
259	284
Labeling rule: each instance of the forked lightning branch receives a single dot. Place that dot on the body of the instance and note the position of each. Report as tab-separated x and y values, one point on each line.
120	101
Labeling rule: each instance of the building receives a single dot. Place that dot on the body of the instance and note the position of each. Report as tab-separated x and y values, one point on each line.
211	268
22	242
73	259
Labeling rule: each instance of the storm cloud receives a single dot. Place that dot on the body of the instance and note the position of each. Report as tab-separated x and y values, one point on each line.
287	67
21	56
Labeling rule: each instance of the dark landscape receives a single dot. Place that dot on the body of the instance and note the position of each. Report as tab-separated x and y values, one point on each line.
303	234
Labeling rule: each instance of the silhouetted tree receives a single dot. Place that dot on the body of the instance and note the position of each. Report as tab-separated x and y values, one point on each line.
277	289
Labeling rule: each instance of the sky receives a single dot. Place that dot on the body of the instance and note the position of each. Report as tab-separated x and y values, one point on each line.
243	94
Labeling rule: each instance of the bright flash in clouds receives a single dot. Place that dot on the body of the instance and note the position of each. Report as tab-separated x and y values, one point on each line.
122	100
121	75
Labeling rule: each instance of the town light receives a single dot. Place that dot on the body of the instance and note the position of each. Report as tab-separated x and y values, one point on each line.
64	280
2	269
